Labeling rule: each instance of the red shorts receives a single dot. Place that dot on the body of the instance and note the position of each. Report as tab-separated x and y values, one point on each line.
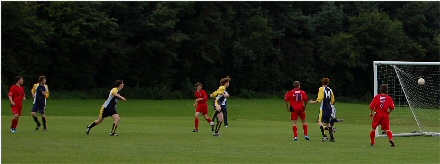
202	108
382	120
294	115
16	110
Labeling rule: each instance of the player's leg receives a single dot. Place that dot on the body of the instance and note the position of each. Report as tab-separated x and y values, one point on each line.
294	118
102	115
116	118
302	116
219	123
374	124
34	115
330	130
321	126
43	117
225	115
205	114
385	123
196	121
16	115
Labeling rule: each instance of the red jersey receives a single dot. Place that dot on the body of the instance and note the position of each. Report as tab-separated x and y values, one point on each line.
297	98
201	94
17	93
381	103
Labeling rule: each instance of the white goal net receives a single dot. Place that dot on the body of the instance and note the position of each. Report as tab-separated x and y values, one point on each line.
417	109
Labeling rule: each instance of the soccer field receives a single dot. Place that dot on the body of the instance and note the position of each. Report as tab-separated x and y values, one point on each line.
159	131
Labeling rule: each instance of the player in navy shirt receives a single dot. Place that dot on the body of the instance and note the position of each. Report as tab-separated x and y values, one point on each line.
40	103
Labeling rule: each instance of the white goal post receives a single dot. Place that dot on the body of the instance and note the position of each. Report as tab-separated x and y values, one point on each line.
417	107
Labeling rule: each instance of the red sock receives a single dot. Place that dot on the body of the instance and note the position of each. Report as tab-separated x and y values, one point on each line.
390	135
372	135
14	123
209	120
196	123
306	130
295	131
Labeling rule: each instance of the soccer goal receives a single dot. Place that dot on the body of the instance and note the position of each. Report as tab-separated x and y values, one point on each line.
417	107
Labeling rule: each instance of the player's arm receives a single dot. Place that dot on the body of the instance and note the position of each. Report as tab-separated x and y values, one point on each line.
115	93
226	94
10	97
320	95
372	106
306	100
219	91
391	105
333	99
47	90
287	102
34	90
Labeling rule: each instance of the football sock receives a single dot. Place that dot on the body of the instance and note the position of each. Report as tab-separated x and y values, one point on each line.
209	120
330	131
36	120
92	125
295	131
14	123
322	130
44	122
372	135
215	114
114	127
217	128
196	123
390	134
306	130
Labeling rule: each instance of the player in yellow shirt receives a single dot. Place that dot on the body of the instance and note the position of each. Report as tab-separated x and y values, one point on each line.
327	99
220	96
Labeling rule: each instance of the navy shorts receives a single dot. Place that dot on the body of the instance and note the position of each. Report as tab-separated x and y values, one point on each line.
38	108
105	112
326	116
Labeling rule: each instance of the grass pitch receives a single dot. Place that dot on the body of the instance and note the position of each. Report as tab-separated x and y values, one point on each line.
159	131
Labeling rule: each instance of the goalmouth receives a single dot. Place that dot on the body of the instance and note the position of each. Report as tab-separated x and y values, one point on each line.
417	107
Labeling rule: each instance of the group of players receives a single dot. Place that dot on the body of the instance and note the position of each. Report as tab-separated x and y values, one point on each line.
296	102
40	92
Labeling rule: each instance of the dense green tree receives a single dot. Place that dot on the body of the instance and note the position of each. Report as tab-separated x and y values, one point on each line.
161	49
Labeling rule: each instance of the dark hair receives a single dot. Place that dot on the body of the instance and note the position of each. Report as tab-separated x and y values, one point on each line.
17	78
118	82
224	80
296	84
41	78
325	81
197	84
384	89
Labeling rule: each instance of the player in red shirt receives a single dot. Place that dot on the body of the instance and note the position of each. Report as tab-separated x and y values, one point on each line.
201	107
381	107
16	96
298	102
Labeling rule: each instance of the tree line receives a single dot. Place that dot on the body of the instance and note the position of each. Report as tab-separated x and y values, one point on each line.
164	48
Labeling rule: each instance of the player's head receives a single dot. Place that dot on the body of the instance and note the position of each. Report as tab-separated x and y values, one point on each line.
42	79
296	84
384	89
325	81
119	83
19	79
198	86
225	81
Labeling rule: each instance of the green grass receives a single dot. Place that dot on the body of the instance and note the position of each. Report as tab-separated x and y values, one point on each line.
159	131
